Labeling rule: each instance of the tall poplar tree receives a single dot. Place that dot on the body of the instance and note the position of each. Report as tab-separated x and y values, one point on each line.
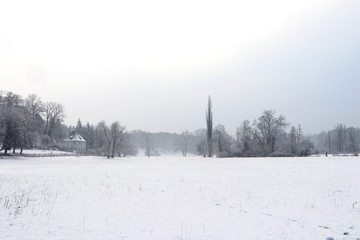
209	127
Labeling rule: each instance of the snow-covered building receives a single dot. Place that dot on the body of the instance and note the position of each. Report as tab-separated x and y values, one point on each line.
75	143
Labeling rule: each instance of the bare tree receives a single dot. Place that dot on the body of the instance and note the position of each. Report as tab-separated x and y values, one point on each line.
34	105
292	139
209	127
340	136
116	137
12	100
12	121
244	137
12	130
28	129
183	142
201	143
32	121
54	114
267	128
148	144
103	137
35	108
329	141
353	139
89	135
295	139
223	141
109	138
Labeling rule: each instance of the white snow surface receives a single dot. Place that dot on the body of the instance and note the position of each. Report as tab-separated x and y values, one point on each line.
179	198
37	153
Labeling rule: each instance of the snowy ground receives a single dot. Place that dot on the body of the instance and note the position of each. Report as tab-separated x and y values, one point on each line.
38	153
179	198
41	153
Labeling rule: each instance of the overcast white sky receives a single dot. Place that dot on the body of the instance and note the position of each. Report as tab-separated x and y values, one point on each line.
152	64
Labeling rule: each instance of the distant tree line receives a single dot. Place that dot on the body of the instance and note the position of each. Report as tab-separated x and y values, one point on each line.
269	135
31	123
341	139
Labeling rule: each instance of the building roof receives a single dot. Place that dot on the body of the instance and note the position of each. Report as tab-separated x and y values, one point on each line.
75	137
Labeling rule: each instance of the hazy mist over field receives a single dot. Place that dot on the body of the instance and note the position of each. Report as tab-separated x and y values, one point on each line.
152	64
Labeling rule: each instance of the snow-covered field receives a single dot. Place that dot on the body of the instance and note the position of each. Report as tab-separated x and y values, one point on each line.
38	153
179	198
41	153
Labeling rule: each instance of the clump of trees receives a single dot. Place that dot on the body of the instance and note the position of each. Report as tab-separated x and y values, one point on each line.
108	140
266	136
28	122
